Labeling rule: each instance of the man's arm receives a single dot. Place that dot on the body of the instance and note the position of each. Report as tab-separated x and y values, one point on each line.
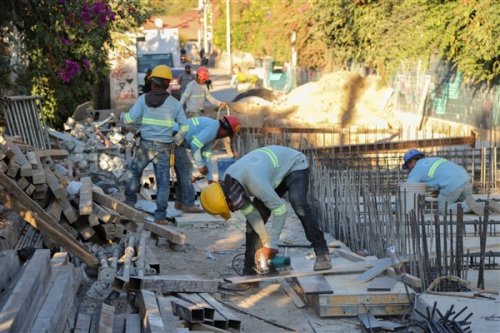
211	98
135	113
186	93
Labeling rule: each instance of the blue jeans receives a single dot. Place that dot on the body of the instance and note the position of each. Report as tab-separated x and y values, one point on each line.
296	184
159	154
184	191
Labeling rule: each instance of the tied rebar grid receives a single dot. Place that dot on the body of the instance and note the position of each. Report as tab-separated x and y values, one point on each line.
357	198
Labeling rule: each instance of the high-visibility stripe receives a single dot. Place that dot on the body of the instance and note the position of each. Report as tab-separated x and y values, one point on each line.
196	96
184	128
247	209
281	210
271	155
207	154
128	118
434	166
195	141
195	121
158	122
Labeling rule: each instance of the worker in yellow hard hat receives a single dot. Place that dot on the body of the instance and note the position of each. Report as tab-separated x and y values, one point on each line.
158	113
267	174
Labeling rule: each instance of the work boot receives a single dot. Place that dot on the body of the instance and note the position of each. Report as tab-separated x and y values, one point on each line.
192	209
178	205
323	261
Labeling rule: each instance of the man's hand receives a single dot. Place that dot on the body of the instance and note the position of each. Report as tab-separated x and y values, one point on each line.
203	170
178	139
267	252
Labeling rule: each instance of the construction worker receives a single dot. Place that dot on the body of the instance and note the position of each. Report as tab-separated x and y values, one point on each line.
157	112
452	181
185	78
196	92
203	131
267	174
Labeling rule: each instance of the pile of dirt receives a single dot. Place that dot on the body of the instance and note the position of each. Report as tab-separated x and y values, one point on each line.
340	98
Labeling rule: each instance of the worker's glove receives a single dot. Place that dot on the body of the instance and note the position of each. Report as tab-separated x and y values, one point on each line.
203	170
266	252
178	139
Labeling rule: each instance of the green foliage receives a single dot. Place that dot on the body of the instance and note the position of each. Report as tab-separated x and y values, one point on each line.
171	7
67	44
385	34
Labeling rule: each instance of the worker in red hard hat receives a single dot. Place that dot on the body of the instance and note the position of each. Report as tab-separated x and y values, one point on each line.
196	93
203	132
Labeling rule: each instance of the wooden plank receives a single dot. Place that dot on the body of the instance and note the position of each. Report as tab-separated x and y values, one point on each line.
133	323
9	261
34	160
232	320
106	318
65	137
54	185
55	208
167	314
18	200
118	206
311	284
83	323
69	212
167	231
172	283
336	269
57	154
150	313
382	283
22	183
85	204
39	176
296	299
379	267
101	213
20	158
21	308
51	314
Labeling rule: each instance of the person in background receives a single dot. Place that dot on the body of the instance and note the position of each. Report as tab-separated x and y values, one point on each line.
266	174
203	131
185	78
452	181
147	81
157	112
196	93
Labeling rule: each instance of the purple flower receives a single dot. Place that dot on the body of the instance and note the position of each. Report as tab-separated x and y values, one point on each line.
69	71
85	14
86	63
65	41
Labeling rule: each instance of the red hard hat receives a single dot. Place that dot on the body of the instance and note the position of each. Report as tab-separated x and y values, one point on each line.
202	73
233	122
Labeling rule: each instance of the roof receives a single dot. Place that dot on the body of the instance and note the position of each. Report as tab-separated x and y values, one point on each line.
187	23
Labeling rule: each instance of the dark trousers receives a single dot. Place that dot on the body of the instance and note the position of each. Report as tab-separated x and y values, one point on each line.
296	184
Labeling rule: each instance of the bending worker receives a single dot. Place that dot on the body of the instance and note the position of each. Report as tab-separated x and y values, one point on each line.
203	131
157	112
452	181
267	174
196	92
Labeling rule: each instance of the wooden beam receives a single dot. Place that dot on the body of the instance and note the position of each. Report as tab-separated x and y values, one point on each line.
57	154
86	196
167	231
133	323
54	185
106	319
336	269
23	304
16	199
116	205
150	313
172	283
167	314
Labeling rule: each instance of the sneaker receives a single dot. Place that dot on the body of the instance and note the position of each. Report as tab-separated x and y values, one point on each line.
323	261
192	209
178	205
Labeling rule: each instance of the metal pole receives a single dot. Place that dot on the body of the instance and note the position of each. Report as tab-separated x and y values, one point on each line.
228	38
205	37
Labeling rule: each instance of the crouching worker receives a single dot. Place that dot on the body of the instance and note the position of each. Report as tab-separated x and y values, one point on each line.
203	131
452	181
267	174
157	112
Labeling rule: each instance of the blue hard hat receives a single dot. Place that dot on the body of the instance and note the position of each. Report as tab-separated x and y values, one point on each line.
409	155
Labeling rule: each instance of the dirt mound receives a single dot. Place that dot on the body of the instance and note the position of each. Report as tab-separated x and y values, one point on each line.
340	98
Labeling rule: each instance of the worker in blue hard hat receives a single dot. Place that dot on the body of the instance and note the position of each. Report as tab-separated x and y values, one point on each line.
452	181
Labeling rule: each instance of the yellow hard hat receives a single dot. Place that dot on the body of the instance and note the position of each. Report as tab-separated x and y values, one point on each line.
214	202
162	72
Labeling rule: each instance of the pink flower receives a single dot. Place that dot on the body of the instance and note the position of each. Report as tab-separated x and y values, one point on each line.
69	71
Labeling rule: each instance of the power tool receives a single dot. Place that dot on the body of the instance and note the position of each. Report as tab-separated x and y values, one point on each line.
274	265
